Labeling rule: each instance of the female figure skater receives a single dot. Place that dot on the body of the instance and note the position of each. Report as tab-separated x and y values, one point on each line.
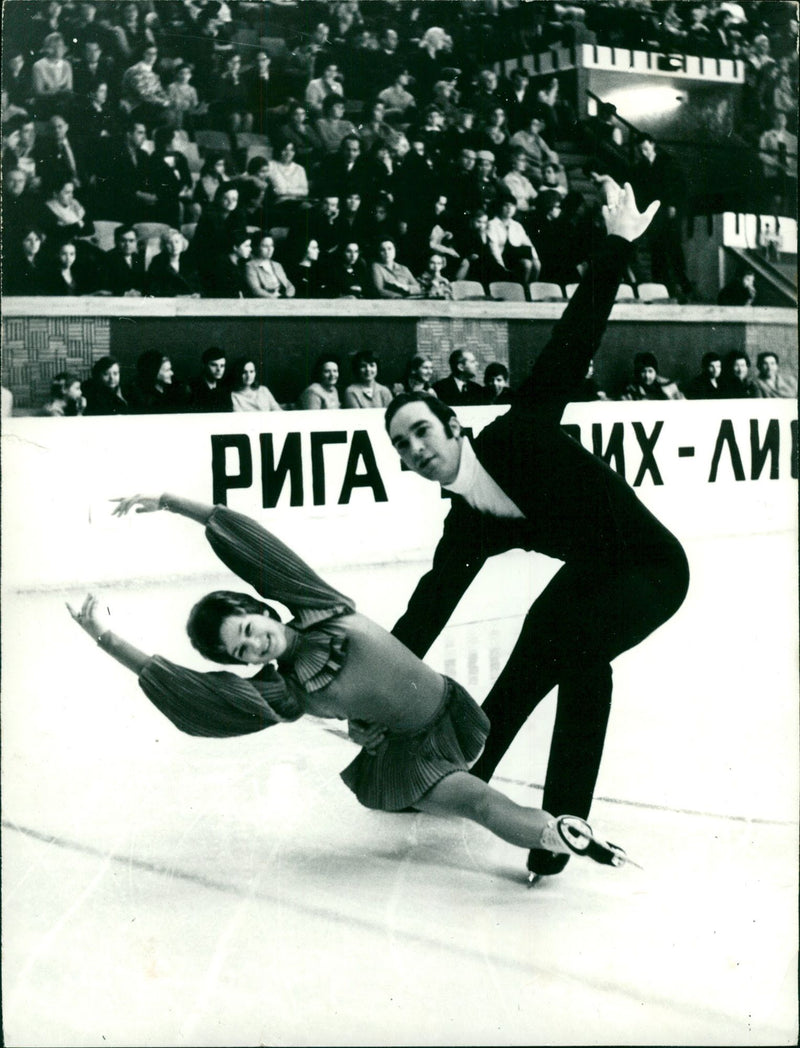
423	729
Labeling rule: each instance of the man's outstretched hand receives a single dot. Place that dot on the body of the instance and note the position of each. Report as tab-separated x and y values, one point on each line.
623	218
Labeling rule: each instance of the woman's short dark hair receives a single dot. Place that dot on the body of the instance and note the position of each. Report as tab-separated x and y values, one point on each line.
364	356
209	613
493	370
437	407
101	366
645	360
321	361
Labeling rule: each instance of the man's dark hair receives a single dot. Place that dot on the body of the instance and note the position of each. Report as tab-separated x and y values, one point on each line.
645	138
737	354
455	359
213	353
123	231
329	101
437	407
768	353
709	357
209	613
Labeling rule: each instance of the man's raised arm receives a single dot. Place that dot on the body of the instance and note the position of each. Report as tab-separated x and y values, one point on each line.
563	362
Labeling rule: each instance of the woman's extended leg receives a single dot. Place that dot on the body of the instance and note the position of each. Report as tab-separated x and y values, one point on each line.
464	795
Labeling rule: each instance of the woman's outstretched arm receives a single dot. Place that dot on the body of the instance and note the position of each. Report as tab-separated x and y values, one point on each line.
199	511
95	619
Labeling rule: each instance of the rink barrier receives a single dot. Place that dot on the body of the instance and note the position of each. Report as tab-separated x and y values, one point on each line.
331	485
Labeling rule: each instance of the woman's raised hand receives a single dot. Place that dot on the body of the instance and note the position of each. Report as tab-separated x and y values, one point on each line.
141	504
93	618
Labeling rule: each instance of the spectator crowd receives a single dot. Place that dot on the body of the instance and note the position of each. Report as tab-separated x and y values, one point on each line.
221	385
356	150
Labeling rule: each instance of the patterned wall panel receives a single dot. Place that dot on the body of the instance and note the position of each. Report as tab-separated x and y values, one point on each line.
37	348
437	337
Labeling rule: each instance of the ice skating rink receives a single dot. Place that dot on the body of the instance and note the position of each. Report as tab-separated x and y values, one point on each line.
165	890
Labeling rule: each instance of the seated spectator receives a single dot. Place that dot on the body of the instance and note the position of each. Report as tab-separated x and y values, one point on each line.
419	375
207	393
736	380
288	184
495	384
265	277
124	191
184	104
431	59
63	217
518	100
65	276
365	392
348	275
391	279
103	390
248	394
169	275
258	88
92	69
123	269
226	278
374	128
547	107
552	238
331	126
307	273
59	157
380	172
142	93
66	399
52	78
20	205
17	77
253	186
130	33
170	178
537	151
433	282
212	237
589	389
487	186
350	224
708	384
769	382
460	389
741	291
344	173
155	391
230	108
322	394
398	101
512	247
328	85
519	185
647	383
307	143
553	179
213	174
461	134
97	126
478	261
24	272
28	153
495	138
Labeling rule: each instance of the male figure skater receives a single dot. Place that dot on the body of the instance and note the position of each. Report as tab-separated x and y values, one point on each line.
525	484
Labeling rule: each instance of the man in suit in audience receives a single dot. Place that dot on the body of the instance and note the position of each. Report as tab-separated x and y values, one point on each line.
460	389
208	391
122	271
